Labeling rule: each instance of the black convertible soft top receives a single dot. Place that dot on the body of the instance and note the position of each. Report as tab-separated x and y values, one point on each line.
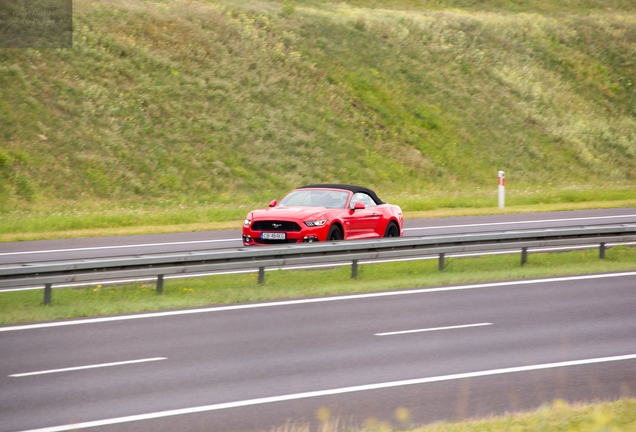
354	189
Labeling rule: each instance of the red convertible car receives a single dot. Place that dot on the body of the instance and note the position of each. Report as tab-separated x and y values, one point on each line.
323	212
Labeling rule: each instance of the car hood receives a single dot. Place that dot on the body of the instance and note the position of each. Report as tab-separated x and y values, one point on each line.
302	213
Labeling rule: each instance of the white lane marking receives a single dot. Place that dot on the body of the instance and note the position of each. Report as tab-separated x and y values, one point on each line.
432	329
520	222
314	300
95	366
121	246
330	392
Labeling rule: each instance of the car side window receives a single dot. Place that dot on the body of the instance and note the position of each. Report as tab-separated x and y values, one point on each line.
363	198
334	200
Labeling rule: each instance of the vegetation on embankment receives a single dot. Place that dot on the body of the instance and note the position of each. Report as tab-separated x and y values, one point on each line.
205	106
560	416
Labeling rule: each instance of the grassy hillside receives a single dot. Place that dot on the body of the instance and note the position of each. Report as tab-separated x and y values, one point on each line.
195	103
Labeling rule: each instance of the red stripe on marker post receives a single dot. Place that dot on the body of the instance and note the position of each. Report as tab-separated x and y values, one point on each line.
501	181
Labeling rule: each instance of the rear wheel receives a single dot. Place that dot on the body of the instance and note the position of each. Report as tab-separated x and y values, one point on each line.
334	233
392	230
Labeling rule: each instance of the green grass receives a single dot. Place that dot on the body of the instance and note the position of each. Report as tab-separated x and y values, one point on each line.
26	306
607	416
619	415
131	219
172	113
509	6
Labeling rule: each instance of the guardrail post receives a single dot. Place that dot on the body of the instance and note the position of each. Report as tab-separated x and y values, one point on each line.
524	255
440	263
601	251
47	294
261	275
354	269
160	284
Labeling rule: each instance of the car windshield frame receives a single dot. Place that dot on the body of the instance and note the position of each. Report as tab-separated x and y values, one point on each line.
327	198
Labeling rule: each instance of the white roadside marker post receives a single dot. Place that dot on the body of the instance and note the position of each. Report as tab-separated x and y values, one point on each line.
502	186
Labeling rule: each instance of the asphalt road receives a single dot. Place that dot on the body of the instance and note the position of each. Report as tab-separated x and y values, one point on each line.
487	349
85	248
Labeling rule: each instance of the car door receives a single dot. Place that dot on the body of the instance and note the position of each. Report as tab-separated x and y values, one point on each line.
361	223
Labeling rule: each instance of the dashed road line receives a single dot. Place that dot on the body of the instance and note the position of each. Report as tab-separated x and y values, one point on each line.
95	366
330	392
433	329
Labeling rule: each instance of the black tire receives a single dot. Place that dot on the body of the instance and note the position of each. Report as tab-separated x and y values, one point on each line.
334	234
392	230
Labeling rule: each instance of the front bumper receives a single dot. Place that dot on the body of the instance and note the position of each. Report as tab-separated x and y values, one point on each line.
305	235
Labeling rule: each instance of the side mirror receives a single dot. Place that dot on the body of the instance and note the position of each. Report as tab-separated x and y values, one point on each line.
359	206
273	203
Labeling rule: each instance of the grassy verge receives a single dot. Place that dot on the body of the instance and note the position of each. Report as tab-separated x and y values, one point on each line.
26	306
202	103
104	219
619	415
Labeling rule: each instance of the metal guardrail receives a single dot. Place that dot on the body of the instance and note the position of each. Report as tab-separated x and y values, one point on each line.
159	265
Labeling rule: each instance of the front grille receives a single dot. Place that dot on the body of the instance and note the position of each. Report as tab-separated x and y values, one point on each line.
263	241
275	226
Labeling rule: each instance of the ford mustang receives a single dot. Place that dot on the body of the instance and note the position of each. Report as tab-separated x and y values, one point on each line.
323	212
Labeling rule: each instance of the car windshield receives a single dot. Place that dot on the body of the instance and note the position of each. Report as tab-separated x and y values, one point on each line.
316	198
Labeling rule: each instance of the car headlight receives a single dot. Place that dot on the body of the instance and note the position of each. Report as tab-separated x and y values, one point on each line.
317	223
247	222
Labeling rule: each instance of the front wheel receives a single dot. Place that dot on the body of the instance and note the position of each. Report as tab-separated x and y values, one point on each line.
392	230
334	233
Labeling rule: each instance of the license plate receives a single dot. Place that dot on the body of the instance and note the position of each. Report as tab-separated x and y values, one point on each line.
273	236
